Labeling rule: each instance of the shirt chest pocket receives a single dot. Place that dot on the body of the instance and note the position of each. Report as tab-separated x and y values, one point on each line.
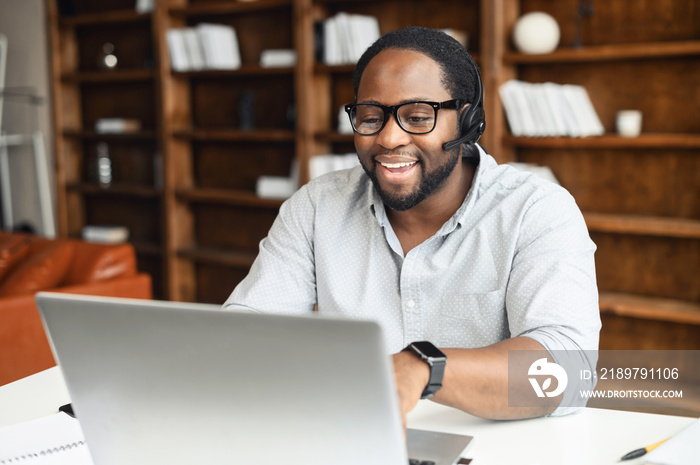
473	320
477	306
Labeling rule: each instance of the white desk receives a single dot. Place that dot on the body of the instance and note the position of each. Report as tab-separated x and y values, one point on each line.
594	436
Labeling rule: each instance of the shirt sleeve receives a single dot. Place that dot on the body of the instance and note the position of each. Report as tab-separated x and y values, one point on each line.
552	295
282	278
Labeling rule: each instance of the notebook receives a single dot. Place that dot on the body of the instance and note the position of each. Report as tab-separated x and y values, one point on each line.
163	382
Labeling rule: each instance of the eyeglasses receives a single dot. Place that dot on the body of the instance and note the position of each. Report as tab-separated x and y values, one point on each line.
368	119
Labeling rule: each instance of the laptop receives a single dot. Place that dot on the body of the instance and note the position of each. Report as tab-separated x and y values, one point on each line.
179	383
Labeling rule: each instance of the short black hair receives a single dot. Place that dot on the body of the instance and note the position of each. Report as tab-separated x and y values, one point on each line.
459	72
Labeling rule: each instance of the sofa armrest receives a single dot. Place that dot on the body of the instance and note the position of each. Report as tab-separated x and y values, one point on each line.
24	347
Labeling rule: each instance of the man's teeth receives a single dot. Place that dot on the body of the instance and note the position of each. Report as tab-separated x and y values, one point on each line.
398	165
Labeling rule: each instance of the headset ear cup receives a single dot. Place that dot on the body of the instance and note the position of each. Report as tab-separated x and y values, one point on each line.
473	123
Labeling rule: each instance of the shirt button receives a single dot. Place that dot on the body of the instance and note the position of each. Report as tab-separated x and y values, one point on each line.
411	304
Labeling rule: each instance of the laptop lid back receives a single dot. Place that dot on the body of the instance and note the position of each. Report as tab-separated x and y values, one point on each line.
163	382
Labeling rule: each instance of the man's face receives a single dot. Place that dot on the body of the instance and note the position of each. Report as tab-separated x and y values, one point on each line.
406	168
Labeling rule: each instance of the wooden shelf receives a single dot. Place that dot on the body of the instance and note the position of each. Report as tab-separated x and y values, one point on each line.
643	225
216	153
224	8
116	190
334	137
244	70
608	52
109	17
609	141
650	308
236	135
322	68
223	257
116	75
147	248
126	136
227	197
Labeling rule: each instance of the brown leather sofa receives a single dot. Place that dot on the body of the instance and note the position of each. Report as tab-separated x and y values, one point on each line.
29	264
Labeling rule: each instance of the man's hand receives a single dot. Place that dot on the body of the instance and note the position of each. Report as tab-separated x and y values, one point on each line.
412	375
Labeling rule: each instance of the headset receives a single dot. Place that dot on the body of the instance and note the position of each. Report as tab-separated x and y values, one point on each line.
473	120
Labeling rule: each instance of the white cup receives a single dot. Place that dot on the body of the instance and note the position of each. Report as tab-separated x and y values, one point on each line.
629	123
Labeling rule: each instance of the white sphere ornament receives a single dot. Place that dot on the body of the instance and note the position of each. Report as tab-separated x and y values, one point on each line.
536	33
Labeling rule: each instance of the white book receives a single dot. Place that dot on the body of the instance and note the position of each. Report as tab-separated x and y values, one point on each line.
364	30
342	21
567	113
176	49
593	125
117	125
547	111
538	116
322	164
105	234
509	106
275	58
526	116
220	46
193	48
145	6
550	92
275	187
331	47
571	98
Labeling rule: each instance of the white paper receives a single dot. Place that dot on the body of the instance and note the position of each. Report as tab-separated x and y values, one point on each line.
56	440
681	449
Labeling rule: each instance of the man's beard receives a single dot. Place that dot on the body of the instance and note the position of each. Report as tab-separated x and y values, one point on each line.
429	183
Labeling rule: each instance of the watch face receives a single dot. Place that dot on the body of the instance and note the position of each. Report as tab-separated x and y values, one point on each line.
428	349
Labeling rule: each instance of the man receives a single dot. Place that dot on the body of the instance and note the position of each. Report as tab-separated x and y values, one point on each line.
433	240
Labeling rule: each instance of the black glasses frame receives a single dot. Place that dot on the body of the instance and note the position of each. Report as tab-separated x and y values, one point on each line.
393	110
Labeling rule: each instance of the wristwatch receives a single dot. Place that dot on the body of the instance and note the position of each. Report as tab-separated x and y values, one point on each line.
436	360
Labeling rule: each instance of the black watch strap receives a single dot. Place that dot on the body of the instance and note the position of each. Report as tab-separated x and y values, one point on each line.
436	360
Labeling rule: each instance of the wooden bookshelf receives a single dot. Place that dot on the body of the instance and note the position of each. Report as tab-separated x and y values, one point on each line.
187	180
639	195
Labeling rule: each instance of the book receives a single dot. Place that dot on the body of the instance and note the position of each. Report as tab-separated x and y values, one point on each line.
549	110
105	234
53	440
117	125
322	164
275	58
507	94
219	44
344	37
145	6
193	49
176	50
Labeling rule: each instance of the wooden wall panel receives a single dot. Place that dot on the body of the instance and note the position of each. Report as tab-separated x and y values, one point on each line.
141	216
240	228
215	102
119	100
635	181
133	50
645	265
215	282
622	21
239	166
623	333
132	163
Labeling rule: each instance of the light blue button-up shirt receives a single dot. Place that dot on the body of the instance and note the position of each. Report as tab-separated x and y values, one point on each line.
514	260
